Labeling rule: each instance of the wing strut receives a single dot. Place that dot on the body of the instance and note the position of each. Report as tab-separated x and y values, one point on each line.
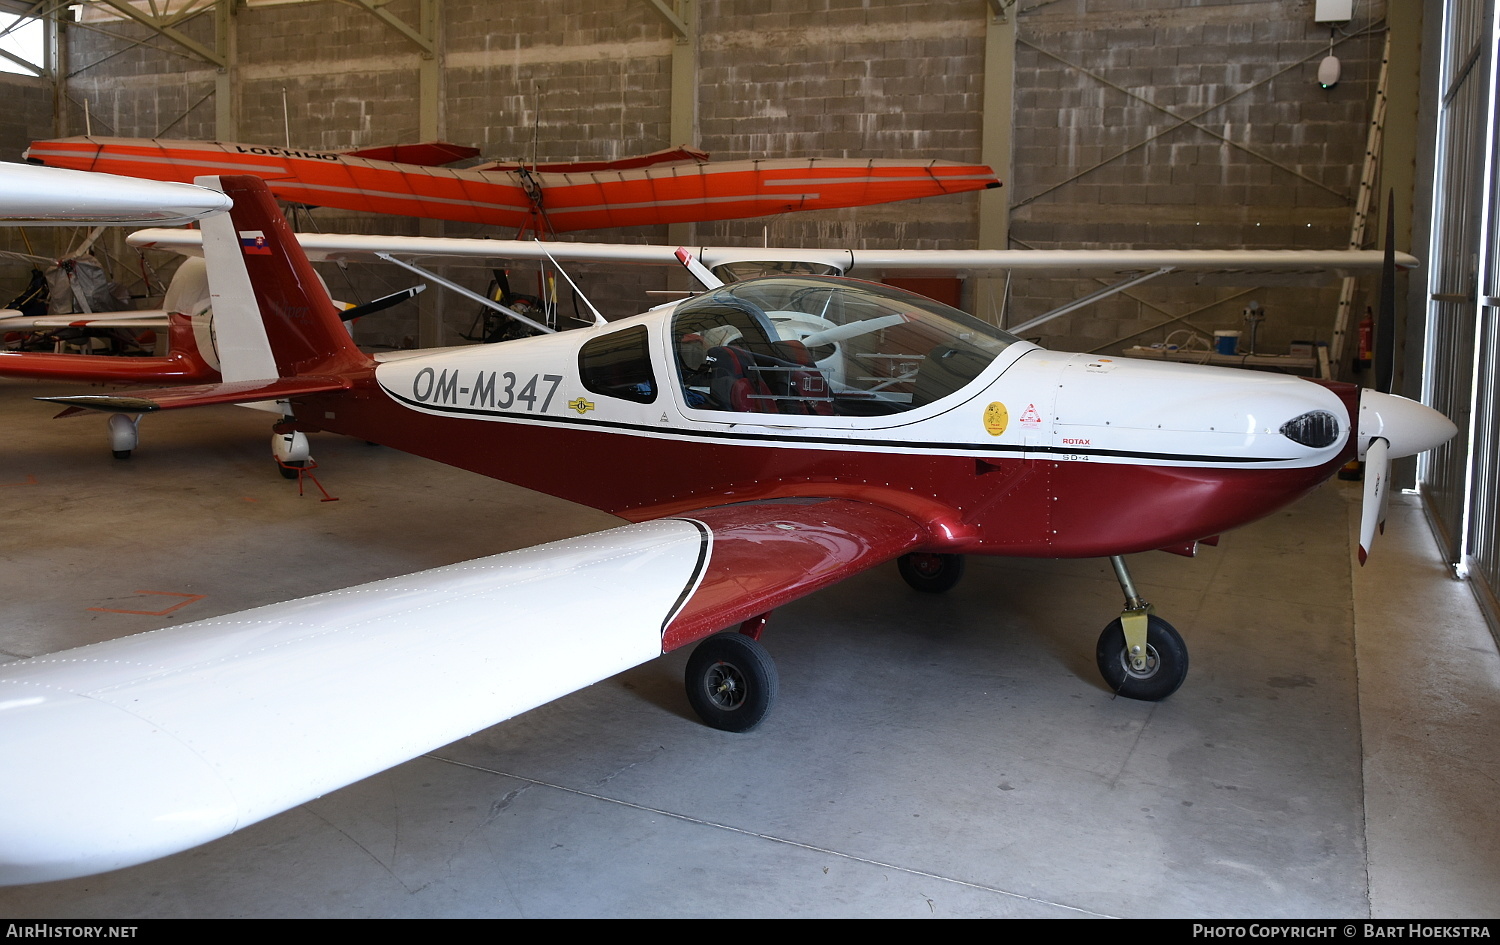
488	303
1089	299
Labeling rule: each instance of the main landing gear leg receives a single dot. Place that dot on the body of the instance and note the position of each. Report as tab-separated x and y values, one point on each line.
731	680
1140	655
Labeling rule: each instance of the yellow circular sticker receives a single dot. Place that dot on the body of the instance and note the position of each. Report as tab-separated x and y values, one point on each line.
995	418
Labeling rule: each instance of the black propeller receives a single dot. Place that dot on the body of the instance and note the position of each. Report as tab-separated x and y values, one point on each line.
1385	319
1372	425
380	304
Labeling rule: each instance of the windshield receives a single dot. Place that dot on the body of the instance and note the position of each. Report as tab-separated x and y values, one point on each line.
825	346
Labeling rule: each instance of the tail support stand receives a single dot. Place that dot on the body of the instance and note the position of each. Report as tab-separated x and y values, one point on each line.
305	472
1135	618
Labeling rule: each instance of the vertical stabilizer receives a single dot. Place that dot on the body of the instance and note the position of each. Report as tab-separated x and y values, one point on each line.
272	316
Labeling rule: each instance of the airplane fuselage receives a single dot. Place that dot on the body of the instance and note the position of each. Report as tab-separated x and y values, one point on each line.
1039	454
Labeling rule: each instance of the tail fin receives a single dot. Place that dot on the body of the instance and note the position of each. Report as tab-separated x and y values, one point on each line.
272	316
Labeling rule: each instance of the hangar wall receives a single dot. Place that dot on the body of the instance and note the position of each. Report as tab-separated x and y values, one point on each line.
1140	123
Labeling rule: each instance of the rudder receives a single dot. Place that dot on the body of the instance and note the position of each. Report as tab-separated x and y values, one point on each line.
272	316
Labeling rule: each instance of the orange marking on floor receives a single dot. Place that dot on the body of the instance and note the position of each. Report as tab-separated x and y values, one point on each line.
191	598
29	481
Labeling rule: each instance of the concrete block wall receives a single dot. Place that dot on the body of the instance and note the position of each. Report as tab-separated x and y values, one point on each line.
1104	159
845	79
573	79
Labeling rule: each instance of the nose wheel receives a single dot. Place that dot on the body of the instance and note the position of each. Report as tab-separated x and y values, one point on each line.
1140	655
1149	673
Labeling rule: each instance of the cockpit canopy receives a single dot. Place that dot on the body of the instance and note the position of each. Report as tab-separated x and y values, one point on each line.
826	346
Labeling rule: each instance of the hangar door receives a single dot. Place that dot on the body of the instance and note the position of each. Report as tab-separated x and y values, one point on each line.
1461	480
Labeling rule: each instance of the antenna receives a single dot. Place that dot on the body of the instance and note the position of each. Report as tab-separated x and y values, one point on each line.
536	120
598	319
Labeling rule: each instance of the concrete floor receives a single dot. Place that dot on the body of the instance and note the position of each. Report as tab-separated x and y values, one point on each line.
930	756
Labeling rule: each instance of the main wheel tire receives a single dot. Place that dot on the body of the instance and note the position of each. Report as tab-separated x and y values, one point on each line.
1166	659
289	469
931	573
121	454
731	682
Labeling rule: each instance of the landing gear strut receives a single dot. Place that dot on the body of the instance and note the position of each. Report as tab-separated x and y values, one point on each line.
1140	655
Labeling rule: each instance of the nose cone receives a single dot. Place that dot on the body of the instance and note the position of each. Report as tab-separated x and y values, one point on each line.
1408	426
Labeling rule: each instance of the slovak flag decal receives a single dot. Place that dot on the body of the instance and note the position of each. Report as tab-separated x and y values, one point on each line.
253	242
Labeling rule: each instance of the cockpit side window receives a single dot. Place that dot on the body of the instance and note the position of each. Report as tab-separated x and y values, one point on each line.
619	365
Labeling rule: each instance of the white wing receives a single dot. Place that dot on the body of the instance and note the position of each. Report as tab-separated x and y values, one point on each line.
132	749
1257	263
128	750
47	196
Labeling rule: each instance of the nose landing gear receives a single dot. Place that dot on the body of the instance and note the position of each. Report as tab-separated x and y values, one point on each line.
1140	655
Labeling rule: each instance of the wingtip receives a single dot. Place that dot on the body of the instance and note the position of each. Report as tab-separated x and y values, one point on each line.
1363	554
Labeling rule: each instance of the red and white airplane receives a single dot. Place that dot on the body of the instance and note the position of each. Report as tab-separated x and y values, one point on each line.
676	186
766	438
191	357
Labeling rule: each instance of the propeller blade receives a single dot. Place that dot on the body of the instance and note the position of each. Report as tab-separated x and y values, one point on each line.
700	272
1385	319
1372	510
384	302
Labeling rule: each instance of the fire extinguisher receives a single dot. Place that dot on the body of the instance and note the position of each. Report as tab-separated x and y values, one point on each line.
1366	341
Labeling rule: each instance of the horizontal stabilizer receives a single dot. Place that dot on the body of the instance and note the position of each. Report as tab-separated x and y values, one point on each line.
145	319
426	154
11	320
202	395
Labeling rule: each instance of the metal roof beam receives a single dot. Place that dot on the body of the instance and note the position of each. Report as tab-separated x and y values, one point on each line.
163	25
